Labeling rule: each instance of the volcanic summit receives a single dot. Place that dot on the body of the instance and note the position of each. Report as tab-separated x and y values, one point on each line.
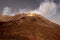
28	27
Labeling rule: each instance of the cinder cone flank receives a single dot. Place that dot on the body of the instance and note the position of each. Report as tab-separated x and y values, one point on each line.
21	27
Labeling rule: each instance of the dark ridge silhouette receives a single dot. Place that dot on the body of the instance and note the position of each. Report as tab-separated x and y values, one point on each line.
23	27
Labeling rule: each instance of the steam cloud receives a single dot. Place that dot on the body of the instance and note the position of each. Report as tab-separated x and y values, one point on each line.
8	11
46	9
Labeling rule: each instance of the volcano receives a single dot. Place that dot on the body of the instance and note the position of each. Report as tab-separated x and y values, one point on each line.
25	27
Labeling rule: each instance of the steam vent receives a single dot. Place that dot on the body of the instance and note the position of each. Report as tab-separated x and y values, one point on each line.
28	27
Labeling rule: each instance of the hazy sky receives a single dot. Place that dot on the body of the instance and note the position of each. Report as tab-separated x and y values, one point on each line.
15	4
30	4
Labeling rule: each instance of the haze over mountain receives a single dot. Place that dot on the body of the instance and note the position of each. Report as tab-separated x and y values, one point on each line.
47	8
28	27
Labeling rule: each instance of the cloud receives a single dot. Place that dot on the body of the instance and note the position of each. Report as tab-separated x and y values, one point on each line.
48	9
7	11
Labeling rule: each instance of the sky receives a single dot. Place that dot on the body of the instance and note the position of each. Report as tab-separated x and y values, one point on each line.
16	4
30	4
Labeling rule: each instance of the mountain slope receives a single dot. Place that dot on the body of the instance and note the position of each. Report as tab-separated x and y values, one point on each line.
29	28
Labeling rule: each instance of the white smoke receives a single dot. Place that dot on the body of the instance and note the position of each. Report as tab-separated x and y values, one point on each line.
46	9
23	10
49	11
7	11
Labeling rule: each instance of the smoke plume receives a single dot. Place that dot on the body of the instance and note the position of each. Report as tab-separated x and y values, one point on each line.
47	9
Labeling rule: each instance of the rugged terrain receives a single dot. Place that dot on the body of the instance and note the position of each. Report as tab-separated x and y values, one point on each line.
24	27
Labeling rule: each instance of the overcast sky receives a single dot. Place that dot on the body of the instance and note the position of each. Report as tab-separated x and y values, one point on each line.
30	4
15	4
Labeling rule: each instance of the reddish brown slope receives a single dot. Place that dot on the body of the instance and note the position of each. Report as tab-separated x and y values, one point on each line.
29	28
